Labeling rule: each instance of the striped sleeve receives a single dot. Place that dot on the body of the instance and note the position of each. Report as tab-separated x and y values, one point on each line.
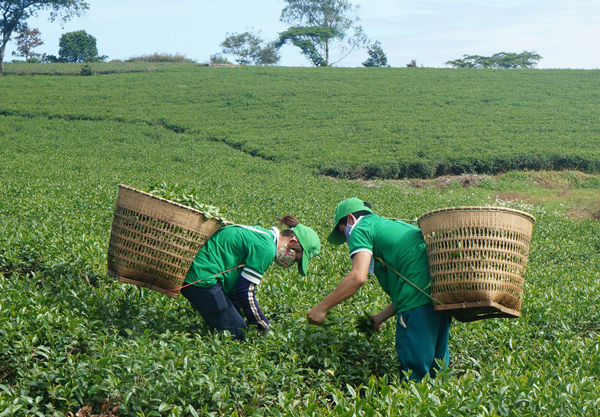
251	275
259	256
246	298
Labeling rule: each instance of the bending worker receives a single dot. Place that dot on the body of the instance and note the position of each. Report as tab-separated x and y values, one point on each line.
222	280
402	269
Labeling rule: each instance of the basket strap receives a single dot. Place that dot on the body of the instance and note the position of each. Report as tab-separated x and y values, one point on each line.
231	269
405	220
214	275
254	229
406	279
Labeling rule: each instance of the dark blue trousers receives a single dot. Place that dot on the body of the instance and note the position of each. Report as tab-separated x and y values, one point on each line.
217	310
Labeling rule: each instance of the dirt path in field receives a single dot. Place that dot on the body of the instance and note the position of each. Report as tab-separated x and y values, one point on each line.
575	194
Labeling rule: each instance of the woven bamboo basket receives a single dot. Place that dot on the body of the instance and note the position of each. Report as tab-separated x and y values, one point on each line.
153	241
477	260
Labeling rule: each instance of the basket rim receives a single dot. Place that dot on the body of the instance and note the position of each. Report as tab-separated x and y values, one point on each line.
183	206
528	216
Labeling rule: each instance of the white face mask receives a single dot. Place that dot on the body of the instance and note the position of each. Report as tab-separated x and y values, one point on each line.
348	230
285	257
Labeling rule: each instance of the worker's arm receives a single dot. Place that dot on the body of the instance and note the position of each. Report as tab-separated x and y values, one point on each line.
345	289
383	315
245	297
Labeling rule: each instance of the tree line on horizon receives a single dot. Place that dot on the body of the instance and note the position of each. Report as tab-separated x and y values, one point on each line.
325	31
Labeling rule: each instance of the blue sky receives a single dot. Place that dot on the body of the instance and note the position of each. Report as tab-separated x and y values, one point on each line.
565	33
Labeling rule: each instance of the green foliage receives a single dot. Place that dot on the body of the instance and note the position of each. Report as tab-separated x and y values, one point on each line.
318	25
364	324
160	57
390	124
186	197
500	60
16	13
26	40
53	66
377	57
77	46
366	124
86	70
308	39
72	337
219	59
249	49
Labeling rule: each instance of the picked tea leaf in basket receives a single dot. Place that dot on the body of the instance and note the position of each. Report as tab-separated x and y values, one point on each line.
153	240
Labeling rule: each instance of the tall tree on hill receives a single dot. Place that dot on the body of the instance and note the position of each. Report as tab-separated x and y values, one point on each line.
28	39
249	49
500	60
78	46
14	14
377	57
319	26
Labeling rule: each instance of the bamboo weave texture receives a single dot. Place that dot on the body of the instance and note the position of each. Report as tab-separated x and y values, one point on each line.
477	259
153	240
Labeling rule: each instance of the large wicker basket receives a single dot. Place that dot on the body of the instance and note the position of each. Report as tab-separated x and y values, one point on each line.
153	241
477	259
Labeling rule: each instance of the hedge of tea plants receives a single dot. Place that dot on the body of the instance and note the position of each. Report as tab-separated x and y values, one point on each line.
77	342
345	122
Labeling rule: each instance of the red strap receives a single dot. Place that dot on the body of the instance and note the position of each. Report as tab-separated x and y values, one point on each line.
187	285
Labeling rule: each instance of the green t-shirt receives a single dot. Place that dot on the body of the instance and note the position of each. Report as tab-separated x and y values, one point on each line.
228	248
402	247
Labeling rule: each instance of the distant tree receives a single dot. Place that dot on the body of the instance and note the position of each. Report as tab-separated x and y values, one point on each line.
319	25
308	39
412	63
249	49
14	14
500	60
51	59
28	39
160	57
77	46
218	59
377	57
269	54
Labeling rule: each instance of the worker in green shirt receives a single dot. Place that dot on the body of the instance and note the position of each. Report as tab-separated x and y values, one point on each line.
223	277
397	254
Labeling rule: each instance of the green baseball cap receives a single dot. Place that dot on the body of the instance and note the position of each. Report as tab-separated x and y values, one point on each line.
351	205
309	240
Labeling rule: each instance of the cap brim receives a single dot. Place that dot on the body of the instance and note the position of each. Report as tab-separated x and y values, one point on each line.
336	237
309	240
303	266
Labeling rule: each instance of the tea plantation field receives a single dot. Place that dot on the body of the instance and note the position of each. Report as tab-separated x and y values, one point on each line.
346	122
255	142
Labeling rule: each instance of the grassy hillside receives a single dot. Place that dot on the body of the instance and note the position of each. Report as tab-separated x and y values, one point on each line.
76	341
344	122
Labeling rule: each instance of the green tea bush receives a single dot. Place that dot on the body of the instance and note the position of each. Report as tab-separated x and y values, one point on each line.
159	57
86	70
348	123
75	341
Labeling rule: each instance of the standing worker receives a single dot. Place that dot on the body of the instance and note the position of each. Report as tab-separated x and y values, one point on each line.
222	280
402	269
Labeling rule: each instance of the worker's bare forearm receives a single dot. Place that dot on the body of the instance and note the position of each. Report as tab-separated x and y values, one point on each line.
387	313
345	289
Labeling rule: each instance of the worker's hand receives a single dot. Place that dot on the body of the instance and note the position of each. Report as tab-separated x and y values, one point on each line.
316	316
382	316
377	322
267	332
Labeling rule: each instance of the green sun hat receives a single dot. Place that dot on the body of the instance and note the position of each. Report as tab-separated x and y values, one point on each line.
309	240
351	205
